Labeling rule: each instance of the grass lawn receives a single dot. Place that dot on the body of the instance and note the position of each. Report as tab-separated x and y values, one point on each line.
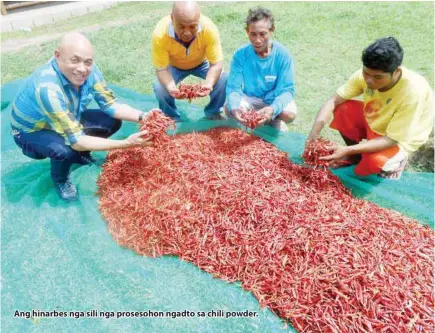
325	38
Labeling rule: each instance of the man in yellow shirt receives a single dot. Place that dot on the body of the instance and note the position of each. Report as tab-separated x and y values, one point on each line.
395	118
188	43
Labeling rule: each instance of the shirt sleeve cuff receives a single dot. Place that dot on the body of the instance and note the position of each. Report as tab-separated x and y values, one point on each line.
73	138
276	110
111	109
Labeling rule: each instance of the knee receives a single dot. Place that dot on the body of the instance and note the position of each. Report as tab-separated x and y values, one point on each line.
116	126
377	160
349	106
62	152
222	82
287	117
159	90
371	163
289	113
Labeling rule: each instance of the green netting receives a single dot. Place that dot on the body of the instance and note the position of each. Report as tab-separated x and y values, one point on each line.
59	256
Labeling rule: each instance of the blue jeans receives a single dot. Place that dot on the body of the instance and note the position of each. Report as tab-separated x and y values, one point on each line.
167	102
47	143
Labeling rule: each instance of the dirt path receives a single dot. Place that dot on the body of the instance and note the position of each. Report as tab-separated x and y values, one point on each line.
13	45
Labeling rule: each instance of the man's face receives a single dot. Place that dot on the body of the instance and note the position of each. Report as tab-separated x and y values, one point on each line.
186	28
377	79
75	62
260	33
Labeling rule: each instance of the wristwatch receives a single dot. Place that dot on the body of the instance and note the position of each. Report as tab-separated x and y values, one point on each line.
141	116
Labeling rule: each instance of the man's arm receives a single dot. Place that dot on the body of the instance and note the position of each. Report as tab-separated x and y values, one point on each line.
325	115
213	74
369	146
353	87
160	58
93	143
166	80
126	112
235	82
52	103
284	91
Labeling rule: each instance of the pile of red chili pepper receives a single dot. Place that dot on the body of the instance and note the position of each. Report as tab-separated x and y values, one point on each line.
236	207
190	91
252	118
156	123
320	148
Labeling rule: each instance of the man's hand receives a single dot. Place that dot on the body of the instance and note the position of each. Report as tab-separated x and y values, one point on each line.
266	113
312	137
173	91
237	114
340	152
139	139
205	90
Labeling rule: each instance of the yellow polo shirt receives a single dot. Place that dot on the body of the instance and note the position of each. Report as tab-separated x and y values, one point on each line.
167	51
404	113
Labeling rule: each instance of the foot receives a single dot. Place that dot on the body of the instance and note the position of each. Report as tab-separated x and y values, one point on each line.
217	116
395	174
66	190
278	124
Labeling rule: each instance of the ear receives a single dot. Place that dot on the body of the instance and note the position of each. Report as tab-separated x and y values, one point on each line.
272	29
56	54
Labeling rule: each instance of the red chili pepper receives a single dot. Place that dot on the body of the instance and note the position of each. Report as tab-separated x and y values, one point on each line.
156	124
190	91
252	118
316	149
236	207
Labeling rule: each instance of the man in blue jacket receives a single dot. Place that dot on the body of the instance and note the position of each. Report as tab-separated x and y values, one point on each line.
261	77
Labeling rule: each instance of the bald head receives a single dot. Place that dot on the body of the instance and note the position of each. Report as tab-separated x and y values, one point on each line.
185	18
185	9
75	56
74	40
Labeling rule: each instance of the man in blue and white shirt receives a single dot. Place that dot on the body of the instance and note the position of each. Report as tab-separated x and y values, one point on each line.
261	76
50	116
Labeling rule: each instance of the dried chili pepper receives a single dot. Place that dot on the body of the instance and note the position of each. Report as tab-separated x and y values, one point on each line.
320	148
190	91
295	237
252	118
156	124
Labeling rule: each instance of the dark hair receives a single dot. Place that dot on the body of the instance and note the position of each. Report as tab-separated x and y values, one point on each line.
258	14
384	54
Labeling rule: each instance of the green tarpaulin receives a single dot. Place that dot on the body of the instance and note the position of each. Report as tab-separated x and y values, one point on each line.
60	257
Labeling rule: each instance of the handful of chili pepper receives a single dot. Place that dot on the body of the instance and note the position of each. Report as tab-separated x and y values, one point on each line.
252	118
190	91
320	148
156	123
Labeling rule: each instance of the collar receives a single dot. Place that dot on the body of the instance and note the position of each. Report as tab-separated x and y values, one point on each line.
62	77
273	46
171	30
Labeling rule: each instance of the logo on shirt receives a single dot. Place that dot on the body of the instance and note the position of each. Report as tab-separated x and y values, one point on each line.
270	78
372	108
